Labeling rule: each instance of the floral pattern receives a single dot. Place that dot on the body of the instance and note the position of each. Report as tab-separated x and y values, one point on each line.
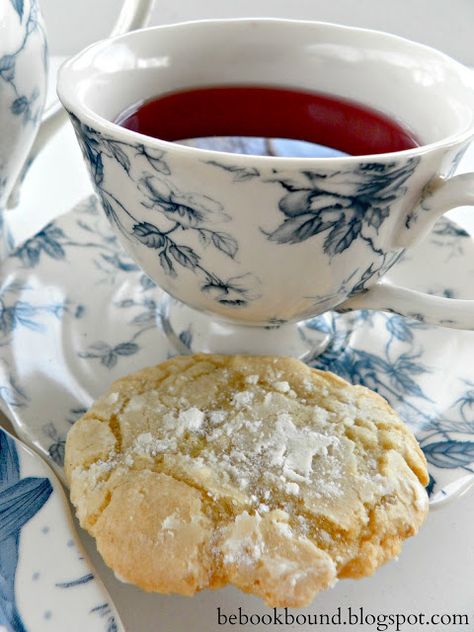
178	214
22	94
401	359
346	205
22	499
395	374
23	105
321	206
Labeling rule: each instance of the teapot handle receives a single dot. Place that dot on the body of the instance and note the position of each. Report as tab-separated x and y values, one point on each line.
133	15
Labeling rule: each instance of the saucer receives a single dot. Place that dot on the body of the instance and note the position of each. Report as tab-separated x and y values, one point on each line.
46	581
77	313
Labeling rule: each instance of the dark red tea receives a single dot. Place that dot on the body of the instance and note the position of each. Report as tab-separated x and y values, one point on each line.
266	112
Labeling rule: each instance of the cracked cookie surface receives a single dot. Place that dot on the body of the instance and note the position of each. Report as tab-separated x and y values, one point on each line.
256	471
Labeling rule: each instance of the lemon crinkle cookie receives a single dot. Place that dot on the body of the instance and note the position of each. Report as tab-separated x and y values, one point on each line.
256	471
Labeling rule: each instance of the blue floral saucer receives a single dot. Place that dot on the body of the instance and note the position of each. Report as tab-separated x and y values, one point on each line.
77	313
46	583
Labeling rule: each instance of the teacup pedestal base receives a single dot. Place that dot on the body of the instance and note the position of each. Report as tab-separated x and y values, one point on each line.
190	331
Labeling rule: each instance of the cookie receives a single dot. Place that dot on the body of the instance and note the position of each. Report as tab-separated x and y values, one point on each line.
255	471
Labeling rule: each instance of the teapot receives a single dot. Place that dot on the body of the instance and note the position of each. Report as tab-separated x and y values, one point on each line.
24	126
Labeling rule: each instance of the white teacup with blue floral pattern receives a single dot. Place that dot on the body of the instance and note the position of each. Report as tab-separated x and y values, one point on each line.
260	240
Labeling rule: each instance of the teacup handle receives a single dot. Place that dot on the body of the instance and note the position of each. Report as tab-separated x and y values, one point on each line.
133	15
439	197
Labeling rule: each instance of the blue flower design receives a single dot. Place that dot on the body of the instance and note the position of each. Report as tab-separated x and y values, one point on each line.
346	205
177	213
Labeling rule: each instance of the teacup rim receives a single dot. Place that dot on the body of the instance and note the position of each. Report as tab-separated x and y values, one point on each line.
87	115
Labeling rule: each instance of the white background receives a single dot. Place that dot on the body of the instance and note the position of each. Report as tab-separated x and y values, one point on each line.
436	570
445	24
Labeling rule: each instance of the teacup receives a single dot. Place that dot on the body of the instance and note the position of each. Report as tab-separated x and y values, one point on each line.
263	241
23	79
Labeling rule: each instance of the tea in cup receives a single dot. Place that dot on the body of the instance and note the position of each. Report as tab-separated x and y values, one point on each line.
263	241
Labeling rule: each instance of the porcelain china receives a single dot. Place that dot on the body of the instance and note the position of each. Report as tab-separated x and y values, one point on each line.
260	240
46	582
23	79
23	82
77	312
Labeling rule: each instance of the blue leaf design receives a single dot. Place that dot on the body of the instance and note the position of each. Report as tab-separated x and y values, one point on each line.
342	235
145	318
117	262
126	348
119	154
186	337
85	579
399	328
20	499
466	404
7	62
47	241
18	6
299	228
167	264
431	485
376	216
149	235
240	173
104	611
53	248
446	228
19	105
7	320
109	360
225	243
20	502
296	202
56	451
7	67
97	168
184	255
146	282
450	453
405	383
9	463
155	158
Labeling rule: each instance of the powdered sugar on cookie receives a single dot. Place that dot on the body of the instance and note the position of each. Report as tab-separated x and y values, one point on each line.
256	471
